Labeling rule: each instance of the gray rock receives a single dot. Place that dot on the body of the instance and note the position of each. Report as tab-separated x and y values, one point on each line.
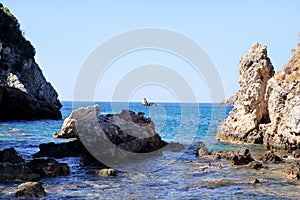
30	190
16	172
202	150
49	167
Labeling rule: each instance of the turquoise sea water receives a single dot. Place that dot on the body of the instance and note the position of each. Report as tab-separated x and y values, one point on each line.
179	175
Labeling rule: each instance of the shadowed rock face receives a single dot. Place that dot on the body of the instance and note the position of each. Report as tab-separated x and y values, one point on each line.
267	109
24	92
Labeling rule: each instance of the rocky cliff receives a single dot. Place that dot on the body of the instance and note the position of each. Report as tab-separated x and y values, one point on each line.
267	109
24	91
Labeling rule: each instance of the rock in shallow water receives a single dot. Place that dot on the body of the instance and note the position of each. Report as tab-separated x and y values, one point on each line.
49	167
30	190
106	173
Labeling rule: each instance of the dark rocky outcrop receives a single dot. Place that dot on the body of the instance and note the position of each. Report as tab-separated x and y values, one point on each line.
267	108
62	150
11	155
49	167
31	190
13	167
24	92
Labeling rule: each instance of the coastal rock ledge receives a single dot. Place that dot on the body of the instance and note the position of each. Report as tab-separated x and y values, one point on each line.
24	92
267	108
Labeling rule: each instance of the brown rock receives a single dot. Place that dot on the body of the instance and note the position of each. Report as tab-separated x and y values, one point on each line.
271	157
255	165
30	190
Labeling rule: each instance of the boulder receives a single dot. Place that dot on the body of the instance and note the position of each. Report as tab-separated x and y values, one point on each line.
202	150
10	155
49	167
106	173
16	172
30	190
255	165
294	171
271	157
241	157
68	129
250	107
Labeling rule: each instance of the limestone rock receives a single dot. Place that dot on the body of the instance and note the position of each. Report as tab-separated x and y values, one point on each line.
22	83
250	108
238	157
271	157
202	150
30	190
230	100
283	94
106	173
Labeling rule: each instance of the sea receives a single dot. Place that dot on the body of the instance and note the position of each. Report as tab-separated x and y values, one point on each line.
169	175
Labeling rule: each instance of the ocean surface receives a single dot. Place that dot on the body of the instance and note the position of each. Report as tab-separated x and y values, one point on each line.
178	175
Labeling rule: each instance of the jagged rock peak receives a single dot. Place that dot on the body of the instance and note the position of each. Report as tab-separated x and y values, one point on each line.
250	106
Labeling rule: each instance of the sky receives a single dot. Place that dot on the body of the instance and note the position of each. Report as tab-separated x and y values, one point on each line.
66	33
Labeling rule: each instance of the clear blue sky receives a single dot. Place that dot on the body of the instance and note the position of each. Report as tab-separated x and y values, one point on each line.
64	34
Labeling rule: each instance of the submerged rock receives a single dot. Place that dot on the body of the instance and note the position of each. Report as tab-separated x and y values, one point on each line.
255	165
30	190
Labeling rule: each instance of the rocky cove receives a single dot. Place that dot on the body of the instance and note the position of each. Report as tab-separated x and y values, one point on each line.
122	155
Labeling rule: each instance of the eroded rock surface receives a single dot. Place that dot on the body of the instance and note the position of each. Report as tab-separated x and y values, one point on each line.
30	190
267	109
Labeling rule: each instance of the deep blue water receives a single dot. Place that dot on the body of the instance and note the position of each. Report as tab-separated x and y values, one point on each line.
178	176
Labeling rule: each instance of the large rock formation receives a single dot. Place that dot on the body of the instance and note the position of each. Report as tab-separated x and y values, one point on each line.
24	91
283	95
267	109
108	138
250	107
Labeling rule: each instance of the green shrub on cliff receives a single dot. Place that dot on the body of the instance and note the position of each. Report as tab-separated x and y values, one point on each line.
11	35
